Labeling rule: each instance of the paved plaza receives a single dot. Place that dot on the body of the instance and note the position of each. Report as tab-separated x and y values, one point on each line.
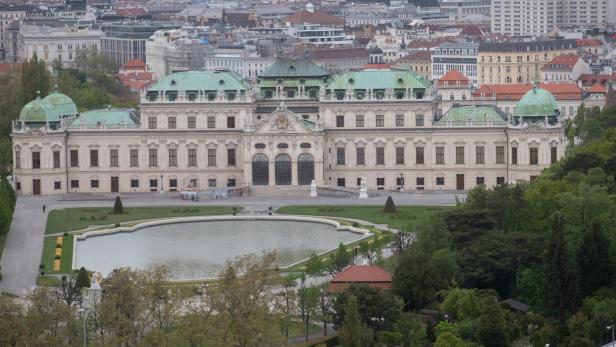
24	244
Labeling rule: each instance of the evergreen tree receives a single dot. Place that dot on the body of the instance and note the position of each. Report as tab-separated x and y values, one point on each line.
557	287
83	280
118	208
314	265
338	260
390	207
351	331
593	260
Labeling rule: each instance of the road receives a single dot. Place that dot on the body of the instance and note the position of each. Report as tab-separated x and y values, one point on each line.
24	244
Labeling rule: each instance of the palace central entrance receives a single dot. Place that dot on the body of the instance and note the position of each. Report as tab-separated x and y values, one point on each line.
305	169
260	169
283	169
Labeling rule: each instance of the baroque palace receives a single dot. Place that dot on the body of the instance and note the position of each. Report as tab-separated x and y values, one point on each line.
296	124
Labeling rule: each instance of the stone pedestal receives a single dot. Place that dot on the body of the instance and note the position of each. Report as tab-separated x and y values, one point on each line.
313	189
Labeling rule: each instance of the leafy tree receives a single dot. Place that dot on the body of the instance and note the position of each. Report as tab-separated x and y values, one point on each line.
83	279
557	284
118	208
390	207
69	292
491	330
35	79
461	303
449	340
351	330
390	338
377	309
419	276
314	265
593	259
401	243
338	260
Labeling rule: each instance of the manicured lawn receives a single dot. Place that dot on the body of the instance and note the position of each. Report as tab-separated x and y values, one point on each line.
49	253
406	216
79	218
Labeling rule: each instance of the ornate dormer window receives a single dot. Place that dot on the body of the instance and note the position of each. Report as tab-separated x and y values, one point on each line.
221	82
173	82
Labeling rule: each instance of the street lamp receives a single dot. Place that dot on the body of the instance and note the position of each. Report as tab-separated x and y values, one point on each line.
162	189
611	327
83	312
401	182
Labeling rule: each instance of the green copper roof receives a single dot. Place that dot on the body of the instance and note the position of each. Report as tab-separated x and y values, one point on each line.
292	83
108	117
379	79
61	104
38	110
200	80
293	68
478	115
536	102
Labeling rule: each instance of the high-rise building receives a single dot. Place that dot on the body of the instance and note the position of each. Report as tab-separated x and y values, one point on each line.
124	41
539	17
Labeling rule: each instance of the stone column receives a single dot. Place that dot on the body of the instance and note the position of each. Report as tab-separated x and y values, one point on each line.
294	173
272	172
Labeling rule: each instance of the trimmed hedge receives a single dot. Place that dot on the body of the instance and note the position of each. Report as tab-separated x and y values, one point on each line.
7	205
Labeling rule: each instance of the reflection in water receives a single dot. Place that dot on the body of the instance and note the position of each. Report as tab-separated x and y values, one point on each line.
199	249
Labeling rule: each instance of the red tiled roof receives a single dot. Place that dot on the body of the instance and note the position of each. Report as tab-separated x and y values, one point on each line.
134	64
588	42
340	53
316	17
364	274
561	91
383	66
562	62
417	55
453	75
9	67
132	12
588	80
597	88
472	30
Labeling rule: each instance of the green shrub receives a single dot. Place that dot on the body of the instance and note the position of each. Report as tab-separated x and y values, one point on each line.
58	246
41	266
390	207
118	208
83	279
57	257
65	233
117	225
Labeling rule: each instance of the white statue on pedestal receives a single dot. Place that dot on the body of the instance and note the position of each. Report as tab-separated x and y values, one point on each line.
97	277
313	189
363	189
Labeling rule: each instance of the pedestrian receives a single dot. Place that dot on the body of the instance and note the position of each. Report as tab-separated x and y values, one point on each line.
43	208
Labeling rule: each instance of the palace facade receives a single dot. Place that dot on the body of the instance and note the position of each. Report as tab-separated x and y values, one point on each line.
296	124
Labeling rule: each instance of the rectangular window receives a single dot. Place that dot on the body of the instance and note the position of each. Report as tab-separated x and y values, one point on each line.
18	159
173	184
173	157
419	120
341	182
152	122
480	181
211	157
534	156
440	155
74	158
192	157
399	155
74	184
419	155
211	122
340	156
153	157
211	182
399	120
514	155
380	156
36	160
153	184
459	155
359	121
440	181
420	181
380	120
171	123
134	183
380	181
500	180
553	154
339	121
231	156
93	183
94	157
480	155
192	122
500	154
230	122
361	156
57	185
56	159
113	158
134	158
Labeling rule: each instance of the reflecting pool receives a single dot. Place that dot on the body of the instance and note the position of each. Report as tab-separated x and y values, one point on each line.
196	250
